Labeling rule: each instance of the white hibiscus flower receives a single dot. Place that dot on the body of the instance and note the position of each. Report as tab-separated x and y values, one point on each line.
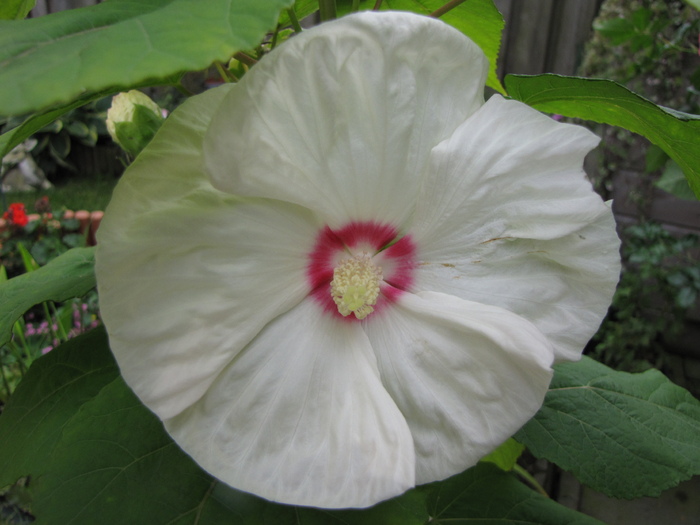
348	274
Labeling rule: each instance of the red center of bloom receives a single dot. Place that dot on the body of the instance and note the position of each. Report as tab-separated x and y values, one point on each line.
393	255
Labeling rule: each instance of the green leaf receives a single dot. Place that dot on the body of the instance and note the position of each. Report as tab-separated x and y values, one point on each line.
480	20
121	43
626	435
506	456
485	495
15	9
673	181
69	275
608	102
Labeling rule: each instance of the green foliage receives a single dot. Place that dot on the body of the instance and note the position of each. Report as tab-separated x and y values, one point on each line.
84	125
69	275
608	102
659	283
626	435
651	47
485	495
674	182
128	44
12	136
506	456
15	9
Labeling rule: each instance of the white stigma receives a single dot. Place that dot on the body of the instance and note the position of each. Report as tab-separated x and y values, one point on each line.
355	285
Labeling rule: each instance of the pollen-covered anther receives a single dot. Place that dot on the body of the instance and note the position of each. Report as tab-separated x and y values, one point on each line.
355	285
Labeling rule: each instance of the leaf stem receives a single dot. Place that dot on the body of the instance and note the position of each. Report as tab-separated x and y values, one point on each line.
294	20
530	480
445	8
327	10
355	5
377	5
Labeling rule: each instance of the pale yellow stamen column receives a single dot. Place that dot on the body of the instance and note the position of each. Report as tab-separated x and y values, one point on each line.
355	285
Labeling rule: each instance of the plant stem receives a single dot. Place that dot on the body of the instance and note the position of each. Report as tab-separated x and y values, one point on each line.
61	328
530	480
222	72
246	59
54	334
327	10
377	5
18	356
5	381
355	5
294	20
275	34
445	8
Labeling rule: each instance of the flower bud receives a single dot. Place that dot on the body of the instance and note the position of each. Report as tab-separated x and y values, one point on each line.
132	120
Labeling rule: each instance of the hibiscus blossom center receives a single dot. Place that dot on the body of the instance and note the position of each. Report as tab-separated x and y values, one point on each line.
357	269
355	285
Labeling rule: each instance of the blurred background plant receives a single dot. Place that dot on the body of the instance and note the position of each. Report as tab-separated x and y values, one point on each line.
83	126
660	282
650	46
41	236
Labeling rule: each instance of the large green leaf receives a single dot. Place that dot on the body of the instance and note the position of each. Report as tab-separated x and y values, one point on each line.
480	20
626	435
54	59
608	102
15	9
67	276
485	495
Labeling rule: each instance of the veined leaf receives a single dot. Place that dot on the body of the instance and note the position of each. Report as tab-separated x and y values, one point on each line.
626	435
56	58
608	102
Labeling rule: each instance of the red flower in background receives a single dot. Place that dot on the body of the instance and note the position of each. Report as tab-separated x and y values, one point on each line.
16	214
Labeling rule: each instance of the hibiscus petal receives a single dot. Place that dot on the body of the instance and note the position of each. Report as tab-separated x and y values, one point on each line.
188	275
342	119
301	417
465	375
508	218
